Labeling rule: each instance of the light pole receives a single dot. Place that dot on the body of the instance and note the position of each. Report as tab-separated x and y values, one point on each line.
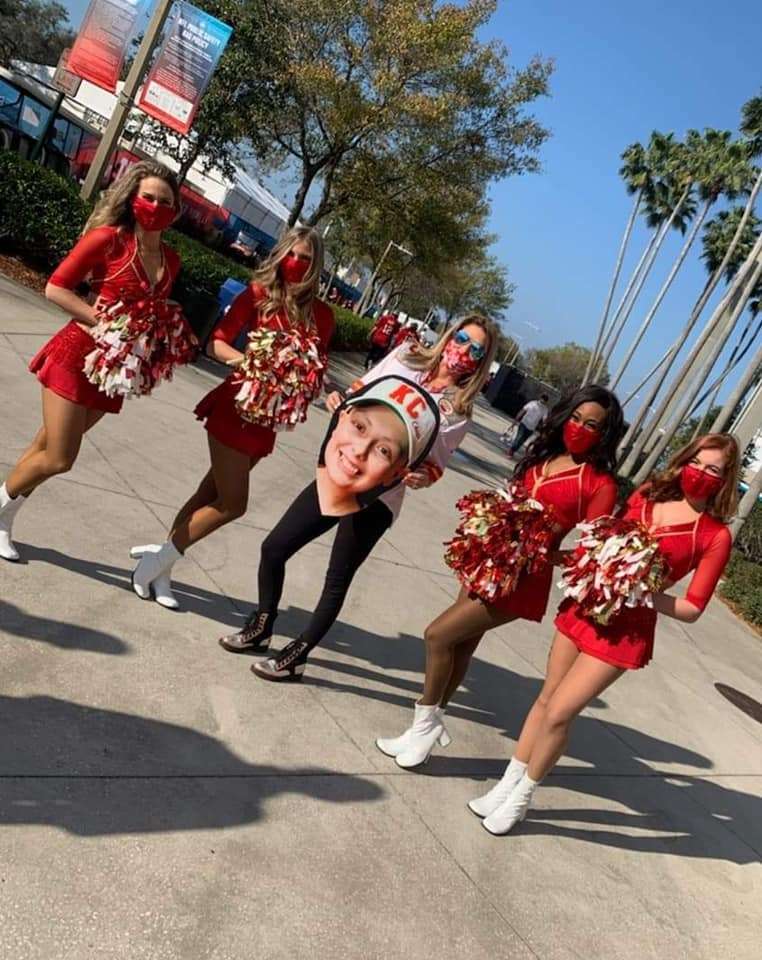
364	299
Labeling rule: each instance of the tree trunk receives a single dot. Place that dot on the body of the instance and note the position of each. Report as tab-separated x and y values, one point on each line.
308	175
625	314
747	503
660	296
612	287
722	419
723	328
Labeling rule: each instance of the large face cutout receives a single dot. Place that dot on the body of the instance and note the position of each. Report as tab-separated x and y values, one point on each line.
365	451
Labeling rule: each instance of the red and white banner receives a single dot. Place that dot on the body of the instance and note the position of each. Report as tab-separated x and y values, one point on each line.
101	45
193	44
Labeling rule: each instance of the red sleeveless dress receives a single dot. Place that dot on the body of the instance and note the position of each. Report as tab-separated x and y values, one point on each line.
702	545
580	493
108	258
218	407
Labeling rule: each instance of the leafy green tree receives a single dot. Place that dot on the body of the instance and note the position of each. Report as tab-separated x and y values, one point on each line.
359	83
33	30
563	367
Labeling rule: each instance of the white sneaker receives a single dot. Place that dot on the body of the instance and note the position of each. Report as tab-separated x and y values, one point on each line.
393	746
9	507
152	564
486	804
512	810
162	585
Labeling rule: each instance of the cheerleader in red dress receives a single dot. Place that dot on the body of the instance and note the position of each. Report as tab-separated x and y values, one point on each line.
684	508
122	257
569	467
282	296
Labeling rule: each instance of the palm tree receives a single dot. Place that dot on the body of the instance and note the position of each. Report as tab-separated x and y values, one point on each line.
704	356
719	167
751	128
637	177
670	204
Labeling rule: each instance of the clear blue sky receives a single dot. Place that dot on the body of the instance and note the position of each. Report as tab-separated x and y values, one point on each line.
622	70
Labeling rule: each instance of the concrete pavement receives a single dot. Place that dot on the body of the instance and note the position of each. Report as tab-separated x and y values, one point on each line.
158	801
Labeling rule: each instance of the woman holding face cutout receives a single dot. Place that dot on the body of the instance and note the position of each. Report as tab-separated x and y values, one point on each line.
450	374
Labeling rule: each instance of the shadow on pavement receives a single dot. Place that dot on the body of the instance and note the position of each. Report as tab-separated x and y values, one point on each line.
58	633
698	817
92	771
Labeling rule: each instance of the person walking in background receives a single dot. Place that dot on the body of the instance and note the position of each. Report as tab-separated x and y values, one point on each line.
122	257
381	338
685	508
528	420
282	297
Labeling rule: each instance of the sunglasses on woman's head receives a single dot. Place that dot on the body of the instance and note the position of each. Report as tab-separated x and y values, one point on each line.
477	349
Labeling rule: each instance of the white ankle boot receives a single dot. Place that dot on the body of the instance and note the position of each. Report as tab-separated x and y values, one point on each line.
394	746
162	585
512	810
9	507
427	730
154	564
486	804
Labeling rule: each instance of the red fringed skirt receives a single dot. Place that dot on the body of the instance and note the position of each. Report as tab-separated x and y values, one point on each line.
59	366
219	411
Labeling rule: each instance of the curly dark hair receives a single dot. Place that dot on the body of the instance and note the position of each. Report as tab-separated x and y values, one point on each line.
549	441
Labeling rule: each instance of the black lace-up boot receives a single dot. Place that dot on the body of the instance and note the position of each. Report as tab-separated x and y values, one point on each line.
254	637
289	664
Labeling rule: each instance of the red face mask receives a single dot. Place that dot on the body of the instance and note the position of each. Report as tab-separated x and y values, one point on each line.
698	484
458	362
151	215
293	269
578	439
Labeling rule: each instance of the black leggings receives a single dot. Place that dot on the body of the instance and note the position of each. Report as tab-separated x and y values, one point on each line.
358	533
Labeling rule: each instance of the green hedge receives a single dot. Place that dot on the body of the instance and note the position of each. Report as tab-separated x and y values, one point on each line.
204	268
41	213
743	587
352	332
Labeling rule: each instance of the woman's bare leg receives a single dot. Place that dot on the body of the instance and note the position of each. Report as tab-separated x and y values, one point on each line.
205	493
586	679
561	657
230	476
56	445
462	624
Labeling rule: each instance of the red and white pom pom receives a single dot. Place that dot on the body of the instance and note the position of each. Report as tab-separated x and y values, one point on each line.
616	564
502	535
281	374
138	345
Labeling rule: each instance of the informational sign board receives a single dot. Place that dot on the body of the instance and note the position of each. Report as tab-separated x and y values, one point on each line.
63	79
192	47
101	45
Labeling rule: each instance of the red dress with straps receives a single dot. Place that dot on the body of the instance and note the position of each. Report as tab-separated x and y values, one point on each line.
580	493
107	257
702	545
218	407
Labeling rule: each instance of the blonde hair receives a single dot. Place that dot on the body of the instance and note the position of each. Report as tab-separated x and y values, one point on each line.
295	298
419	357
666	485
114	208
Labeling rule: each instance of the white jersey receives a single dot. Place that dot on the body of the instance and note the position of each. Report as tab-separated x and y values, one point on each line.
452	428
534	413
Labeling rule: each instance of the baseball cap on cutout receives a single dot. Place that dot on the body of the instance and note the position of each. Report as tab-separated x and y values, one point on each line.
412	404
